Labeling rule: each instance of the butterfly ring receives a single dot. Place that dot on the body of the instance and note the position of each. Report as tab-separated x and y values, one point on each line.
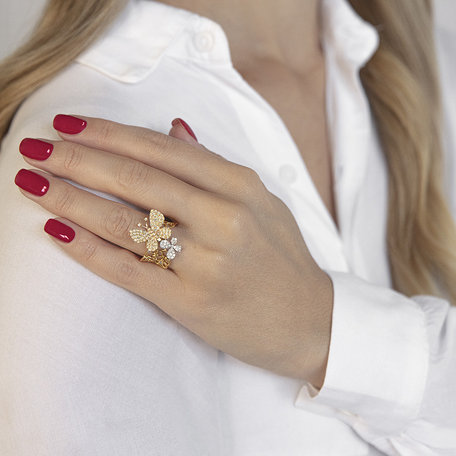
156	232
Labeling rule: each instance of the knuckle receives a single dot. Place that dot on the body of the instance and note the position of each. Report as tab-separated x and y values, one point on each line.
247	182
88	250
73	157
131	173
64	200
144	136
215	154
118	222
104	133
249	174
160	140
156	143
252	182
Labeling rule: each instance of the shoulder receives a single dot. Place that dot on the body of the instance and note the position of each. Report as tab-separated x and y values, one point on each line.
142	34
103	81
134	72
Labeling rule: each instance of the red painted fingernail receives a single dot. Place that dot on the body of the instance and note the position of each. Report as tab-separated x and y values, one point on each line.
59	230
185	125
69	124
31	182
36	149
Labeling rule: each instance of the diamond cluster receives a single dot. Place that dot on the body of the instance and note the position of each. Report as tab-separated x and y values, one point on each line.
172	247
155	233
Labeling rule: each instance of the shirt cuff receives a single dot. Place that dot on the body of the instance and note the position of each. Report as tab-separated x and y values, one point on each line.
378	357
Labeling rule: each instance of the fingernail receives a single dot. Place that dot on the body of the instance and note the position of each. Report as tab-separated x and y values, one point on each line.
59	230
31	182
185	125
36	149
69	124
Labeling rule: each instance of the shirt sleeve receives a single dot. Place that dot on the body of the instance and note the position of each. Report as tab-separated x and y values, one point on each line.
391	368
87	367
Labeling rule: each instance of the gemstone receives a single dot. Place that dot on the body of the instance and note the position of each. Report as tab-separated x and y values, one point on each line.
165	244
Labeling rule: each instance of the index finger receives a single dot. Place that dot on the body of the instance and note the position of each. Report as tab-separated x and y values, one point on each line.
195	165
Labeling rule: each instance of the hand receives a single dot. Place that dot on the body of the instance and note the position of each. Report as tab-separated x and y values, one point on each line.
244	281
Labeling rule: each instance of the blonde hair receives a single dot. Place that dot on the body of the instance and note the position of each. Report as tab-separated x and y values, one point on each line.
65	30
401	82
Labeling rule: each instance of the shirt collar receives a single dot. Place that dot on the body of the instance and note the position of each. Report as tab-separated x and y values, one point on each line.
147	30
346	33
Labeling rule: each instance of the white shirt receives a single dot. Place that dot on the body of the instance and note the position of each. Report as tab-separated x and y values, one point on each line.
89	368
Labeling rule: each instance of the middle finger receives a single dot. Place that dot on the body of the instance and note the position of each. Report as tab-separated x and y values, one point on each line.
126	178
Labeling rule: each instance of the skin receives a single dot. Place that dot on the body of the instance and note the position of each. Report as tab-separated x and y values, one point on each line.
260	29
245	281
262	39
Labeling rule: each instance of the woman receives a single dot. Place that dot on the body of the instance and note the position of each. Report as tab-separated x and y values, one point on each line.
301	310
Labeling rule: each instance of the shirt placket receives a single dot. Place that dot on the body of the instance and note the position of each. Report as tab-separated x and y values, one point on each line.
348	44
276	156
283	165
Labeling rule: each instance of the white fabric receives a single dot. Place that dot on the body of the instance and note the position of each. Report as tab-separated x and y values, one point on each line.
88	368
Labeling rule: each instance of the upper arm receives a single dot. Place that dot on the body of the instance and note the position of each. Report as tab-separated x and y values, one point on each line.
86	366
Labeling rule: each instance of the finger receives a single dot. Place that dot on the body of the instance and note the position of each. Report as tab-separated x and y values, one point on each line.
107	219
181	130
195	165
126	178
117	265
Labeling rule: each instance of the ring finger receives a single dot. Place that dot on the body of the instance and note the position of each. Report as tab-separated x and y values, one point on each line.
108	219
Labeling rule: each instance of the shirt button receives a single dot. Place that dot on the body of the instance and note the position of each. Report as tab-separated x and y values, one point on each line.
288	174
204	41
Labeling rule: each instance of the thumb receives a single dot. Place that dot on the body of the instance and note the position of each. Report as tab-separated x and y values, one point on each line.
181	130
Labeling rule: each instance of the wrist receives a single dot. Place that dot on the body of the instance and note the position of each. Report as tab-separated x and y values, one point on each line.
316	355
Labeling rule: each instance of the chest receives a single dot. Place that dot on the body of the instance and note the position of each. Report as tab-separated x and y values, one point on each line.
302	108
310	136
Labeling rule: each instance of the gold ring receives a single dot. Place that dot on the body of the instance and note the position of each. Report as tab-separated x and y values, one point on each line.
156	232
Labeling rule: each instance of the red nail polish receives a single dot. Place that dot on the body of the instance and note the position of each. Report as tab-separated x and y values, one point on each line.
69	124
186	126
31	182
59	230
36	149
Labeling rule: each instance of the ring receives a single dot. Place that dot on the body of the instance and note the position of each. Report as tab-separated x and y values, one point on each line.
156	233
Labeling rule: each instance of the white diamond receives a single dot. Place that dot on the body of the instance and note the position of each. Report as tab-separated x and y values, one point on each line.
165	244
177	248
171	254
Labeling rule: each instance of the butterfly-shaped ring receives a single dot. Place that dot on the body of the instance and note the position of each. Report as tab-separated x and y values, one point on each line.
155	230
